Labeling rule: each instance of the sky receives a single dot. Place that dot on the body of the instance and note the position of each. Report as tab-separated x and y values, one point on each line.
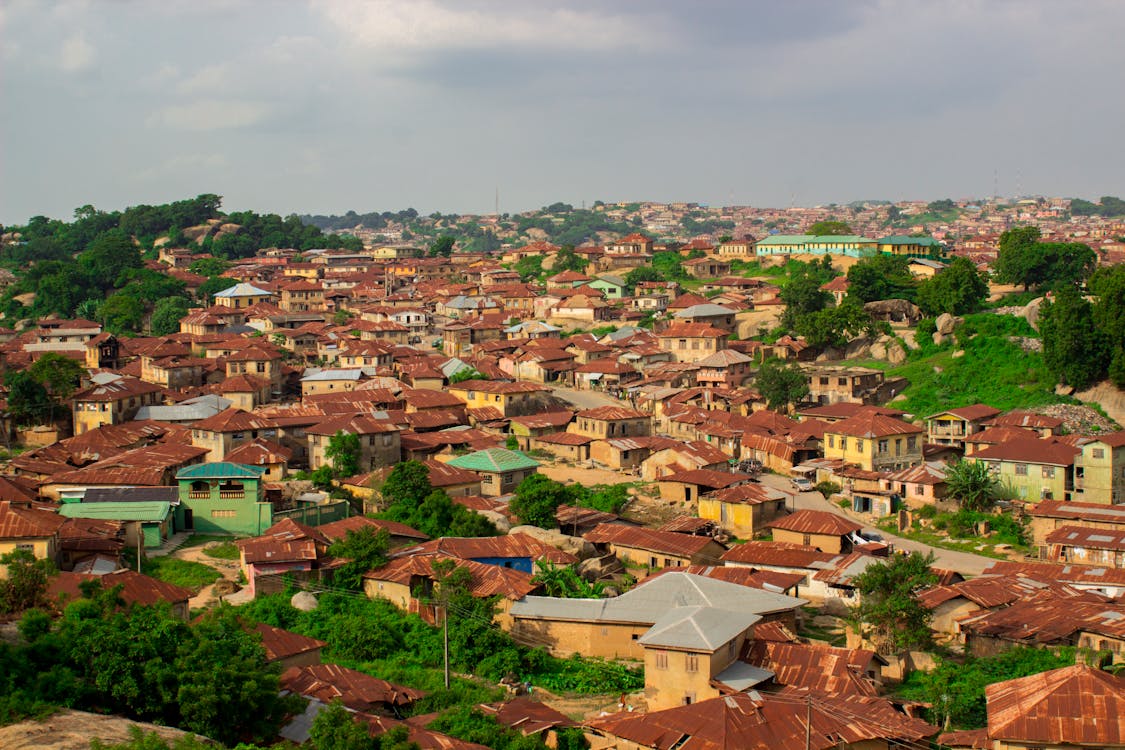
320	106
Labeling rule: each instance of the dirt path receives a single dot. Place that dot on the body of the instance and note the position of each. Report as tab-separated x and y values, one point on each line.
73	730
228	568
580	707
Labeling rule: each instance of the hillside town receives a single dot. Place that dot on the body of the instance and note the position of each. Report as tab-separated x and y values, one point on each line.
706	478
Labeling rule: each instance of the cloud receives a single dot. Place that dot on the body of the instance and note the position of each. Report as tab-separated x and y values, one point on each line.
209	114
76	54
418	26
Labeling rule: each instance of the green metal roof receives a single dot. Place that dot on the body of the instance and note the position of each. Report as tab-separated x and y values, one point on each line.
494	459
841	239
221	470
786	239
126	511
902	239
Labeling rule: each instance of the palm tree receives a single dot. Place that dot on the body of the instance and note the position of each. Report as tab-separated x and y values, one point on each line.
972	485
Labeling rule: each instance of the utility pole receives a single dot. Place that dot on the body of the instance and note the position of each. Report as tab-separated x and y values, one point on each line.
445	639
140	544
808	722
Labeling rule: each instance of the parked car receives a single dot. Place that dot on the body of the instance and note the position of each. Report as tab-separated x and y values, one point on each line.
802	484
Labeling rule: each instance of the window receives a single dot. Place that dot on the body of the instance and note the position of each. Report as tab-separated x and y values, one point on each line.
912	443
660	659
691	663
1097	452
1021	470
841	381
806	540
732	649
831	441
223	513
1048	472
859	444
843	443
883	446
26	547
824	381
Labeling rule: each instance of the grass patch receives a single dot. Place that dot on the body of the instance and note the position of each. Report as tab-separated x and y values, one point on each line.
186	573
198	540
993	370
222	551
817	632
956	531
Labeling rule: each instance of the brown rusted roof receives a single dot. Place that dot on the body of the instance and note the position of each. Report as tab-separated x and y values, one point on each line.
508	546
969	739
485	580
282	644
27	523
1048	619
1077	705
564	438
339	529
611	413
234	420
356	690
872	425
815	522
991	591
821	668
1089	512
708	478
972	412
778	554
1030	450
1084	536
768	580
765	720
526	715
136	588
664	542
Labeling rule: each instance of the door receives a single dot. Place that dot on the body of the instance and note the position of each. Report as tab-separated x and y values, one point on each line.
189	521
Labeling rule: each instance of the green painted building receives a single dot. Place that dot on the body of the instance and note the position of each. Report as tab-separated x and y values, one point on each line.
155	518
613	287
500	469
223	498
911	247
849	245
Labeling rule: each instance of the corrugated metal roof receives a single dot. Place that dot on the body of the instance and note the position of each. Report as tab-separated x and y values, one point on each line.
494	460
1077	705
221	470
704	629
142	511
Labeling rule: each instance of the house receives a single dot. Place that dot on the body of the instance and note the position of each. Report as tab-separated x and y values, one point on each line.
510	399
838	288
1099	471
1085	546
687	486
536	425
568	446
952	426
112	402
512	551
919	486
316	382
743	510
1025	420
874	442
613	628
270	455
815	528
631	244
153	519
692	454
30	529
654	549
1049	515
691	342
611	286
706	268
409	583
764	720
687	653
399	534
501	470
851	246
285	548
726	368
228	430
818	667
379	440
529	718
831	384
242	295
611	421
287	648
222	498
911	247
1037	469
627	453
136	588
326	683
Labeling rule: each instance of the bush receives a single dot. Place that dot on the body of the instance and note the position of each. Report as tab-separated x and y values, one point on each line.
844	503
926	511
828	489
222	551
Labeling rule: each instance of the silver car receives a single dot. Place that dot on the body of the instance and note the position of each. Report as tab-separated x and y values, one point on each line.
802	484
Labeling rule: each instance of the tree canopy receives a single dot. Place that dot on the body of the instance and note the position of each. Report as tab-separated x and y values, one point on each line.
1075	350
344	452
781	383
958	289
1024	259
829	227
880	277
889	612
972	485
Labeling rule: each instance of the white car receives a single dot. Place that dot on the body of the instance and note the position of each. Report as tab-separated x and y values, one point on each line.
804	485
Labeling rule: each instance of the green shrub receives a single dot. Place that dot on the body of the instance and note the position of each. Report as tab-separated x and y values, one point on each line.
222	551
828	489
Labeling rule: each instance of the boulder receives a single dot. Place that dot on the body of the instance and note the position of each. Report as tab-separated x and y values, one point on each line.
896	354
225	587
1031	312
858	349
894	311
945	323
303	601
957	354
597	568
939	338
575	545
499	520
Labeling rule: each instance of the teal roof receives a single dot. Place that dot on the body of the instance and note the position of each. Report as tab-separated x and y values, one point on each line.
126	511
221	470
840	239
786	239
902	239
494	459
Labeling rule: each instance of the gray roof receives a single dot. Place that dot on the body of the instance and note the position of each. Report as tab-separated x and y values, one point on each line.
698	628
651	600
191	410
350	373
704	310
742	676
242	290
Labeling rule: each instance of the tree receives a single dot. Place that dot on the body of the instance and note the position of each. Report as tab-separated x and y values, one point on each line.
167	314
972	485
122	313
881	277
60	375
467	373
537	498
28	401
335	728
364	549
108	256
209	267
25	586
344	452
408	483
781	384
835	326
568	260
803	295
639	274
1023	259
889	612
957	290
564	582
1074	350
830	227
442	246
1108	284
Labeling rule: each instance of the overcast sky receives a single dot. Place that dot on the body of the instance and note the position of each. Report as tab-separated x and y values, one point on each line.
329	105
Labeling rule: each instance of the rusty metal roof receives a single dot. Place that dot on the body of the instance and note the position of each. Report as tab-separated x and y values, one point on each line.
815	522
1077	705
27	523
356	690
281	644
1084	536
778	554
664	542
821	668
475	548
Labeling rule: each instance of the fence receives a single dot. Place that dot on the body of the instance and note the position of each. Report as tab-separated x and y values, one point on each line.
315	515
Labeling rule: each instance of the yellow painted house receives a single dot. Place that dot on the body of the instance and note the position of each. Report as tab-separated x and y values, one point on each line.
36	531
874	442
1036	469
1099	474
744	510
